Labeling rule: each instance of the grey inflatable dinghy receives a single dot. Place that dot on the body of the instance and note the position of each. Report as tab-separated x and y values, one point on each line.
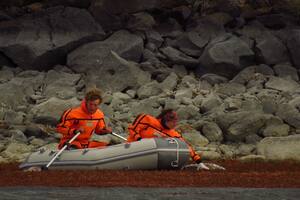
154	153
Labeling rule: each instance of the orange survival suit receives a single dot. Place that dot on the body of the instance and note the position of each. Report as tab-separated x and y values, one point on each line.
147	126
74	118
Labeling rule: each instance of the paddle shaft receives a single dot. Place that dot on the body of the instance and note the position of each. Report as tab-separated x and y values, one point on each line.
60	151
119	136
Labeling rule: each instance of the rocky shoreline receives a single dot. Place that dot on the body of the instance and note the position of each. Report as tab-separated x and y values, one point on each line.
233	79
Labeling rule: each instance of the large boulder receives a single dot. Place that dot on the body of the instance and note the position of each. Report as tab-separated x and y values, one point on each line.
94	55
51	109
175	56
226	55
237	126
251	73
289	114
286	71
42	40
280	148
111	14
293	45
280	84
60	84
251	124
6	74
24	85
271	50
117	74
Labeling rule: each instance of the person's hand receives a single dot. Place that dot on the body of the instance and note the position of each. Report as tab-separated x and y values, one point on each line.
107	130
79	130
201	165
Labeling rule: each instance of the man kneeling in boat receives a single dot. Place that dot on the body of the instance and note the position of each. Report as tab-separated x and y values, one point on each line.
147	126
86	119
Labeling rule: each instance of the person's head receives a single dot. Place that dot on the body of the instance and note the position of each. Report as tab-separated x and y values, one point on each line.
93	99
168	118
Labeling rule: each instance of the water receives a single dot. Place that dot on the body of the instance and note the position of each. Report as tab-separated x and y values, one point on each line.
131	193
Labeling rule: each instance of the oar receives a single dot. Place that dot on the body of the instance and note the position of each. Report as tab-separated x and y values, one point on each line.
119	136
60	152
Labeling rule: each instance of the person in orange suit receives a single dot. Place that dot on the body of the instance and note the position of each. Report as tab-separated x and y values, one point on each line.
86	119
147	126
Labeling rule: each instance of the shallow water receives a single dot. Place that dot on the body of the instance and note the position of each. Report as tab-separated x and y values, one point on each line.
131	193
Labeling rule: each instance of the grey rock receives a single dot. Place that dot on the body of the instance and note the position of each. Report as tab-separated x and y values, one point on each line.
180	70
280	148
213	79
226	56
141	21
117	75
186	101
245	149
280	84
228	151
177	57
194	138
188	81
170	83
52	108
230	89
197	101
271	50
148	106
181	93
43	41
154	37
286	71
151	89
293	44
210	155
210	102
191	43
6	74
289	114
270	99
276	130
252	139
169	28
122	96
37	142
13	117
18	136
95	54
188	112
250	73
212	132
171	104
243	127
131	93
33	130
112	14
16	151
61	84
255	30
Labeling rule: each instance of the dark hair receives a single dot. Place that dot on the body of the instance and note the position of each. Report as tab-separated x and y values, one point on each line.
93	94
168	114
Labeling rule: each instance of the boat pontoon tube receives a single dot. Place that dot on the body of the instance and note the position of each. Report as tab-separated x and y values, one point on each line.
154	153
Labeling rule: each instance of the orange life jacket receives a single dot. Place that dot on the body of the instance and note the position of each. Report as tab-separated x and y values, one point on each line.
146	126
74	118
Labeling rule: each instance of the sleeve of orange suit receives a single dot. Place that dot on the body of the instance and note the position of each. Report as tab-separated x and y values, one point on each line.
65	123
135	128
196	157
100	126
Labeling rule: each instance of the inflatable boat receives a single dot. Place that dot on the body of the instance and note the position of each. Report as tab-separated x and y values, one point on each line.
154	153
